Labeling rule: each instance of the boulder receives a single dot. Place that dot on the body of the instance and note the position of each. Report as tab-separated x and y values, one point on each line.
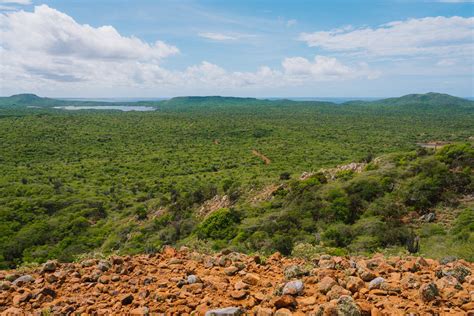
429	292
49	266
376	283
126	299
295	287
285	301
326	284
251	279
227	311
23	280
294	272
354	284
346	306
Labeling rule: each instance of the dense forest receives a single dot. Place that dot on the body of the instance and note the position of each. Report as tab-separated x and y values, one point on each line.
214	172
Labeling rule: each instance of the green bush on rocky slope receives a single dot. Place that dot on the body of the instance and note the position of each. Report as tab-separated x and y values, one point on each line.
380	207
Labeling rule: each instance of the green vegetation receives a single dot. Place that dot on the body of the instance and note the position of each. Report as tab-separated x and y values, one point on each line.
82	181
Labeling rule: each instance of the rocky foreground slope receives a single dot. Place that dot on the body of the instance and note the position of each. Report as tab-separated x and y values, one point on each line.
188	283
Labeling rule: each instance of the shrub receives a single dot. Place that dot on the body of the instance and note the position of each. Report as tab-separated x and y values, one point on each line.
364	244
457	155
221	224
306	250
337	235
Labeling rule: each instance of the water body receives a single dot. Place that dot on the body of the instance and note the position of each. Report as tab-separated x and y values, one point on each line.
124	108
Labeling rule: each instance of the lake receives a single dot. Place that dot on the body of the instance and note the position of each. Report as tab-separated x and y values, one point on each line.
124	108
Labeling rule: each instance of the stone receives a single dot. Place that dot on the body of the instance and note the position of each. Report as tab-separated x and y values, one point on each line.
193	279
469	307
283	312
326	284
460	272
5	285
23	280
238	294
346	306
88	263
293	288
103	265
366	275
448	259
20	298
104	279
327	264
311	300
336	292
354	284
428	218
126	299
13	311
48	292
140	311
240	285
376	283
294	271
429	292
231	270
49	266
11	277
251	278
228	311
285	301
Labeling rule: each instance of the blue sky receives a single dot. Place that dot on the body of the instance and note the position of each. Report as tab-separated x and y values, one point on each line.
83	48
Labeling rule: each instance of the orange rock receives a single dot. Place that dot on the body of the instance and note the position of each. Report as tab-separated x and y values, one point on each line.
251	278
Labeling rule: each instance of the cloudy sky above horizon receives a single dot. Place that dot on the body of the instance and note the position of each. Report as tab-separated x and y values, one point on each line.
263	48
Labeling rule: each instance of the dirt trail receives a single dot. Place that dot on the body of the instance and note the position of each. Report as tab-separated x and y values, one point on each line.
265	159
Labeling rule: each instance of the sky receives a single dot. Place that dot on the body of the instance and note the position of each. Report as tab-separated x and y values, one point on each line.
252	48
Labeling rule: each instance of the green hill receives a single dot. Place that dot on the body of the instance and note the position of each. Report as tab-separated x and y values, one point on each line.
430	99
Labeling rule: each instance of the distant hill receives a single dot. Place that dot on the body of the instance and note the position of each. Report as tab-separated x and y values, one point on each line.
427	99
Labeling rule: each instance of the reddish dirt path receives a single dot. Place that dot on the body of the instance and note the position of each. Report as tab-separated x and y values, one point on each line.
265	159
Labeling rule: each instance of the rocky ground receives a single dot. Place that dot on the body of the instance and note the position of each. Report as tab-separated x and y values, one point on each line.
188	283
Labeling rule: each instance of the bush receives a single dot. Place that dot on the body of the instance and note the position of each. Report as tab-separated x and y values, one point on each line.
365	244
431	229
337	235
306	251
219	225
457	155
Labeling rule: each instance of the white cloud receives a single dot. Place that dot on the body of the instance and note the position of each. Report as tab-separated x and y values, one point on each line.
446	62
47	50
21	2
7	8
425	36
217	36
51	32
324	68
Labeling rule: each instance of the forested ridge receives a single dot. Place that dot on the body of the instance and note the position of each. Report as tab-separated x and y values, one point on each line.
77	182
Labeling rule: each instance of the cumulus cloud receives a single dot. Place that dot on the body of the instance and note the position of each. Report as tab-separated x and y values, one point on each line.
217	36
47	49
51	32
425	36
